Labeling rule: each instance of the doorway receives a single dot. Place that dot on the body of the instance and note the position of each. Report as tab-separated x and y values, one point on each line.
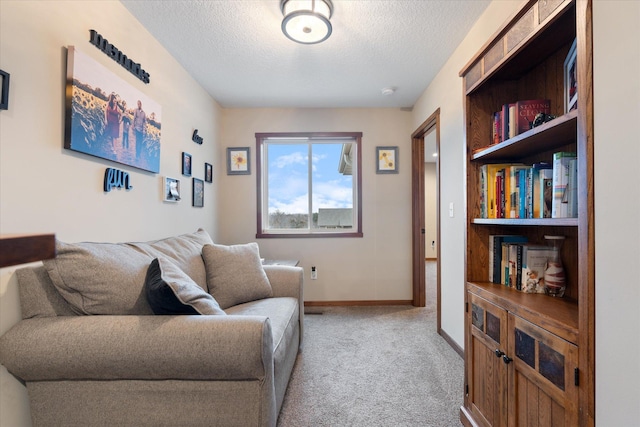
426	135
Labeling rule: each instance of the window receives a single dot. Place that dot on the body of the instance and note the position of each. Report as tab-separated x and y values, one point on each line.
309	184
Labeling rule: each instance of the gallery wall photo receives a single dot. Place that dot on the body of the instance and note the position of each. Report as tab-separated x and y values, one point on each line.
109	118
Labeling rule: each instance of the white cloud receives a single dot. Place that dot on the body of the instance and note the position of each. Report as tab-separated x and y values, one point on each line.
296	158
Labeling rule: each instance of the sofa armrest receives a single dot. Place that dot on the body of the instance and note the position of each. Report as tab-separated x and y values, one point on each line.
287	281
139	347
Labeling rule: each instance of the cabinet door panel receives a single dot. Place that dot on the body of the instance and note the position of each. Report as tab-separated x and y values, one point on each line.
542	389
487	371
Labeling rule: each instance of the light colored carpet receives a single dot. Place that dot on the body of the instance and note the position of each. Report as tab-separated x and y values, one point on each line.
374	366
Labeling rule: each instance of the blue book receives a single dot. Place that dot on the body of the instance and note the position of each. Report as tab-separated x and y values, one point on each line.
522	192
495	253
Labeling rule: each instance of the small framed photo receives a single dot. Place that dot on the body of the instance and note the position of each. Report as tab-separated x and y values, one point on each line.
171	189
198	193
387	160
238	161
186	164
571	80
4	87
208	172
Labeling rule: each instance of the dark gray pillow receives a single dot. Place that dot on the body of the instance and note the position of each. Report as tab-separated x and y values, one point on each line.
170	291
235	274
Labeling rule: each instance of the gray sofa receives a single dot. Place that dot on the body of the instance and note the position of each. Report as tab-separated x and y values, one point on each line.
91	351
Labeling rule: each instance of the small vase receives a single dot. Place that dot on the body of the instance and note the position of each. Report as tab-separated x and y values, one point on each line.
554	278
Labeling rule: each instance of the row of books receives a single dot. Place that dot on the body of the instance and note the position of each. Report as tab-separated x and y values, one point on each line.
541	190
517	117
516	264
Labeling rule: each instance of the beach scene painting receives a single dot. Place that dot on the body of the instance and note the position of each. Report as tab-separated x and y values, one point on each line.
108	117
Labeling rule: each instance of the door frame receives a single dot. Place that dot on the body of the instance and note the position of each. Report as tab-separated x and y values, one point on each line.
418	210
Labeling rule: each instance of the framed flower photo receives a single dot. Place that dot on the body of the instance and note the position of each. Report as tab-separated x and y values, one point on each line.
238	161
186	164
571	80
198	193
171	189
387	160
208	172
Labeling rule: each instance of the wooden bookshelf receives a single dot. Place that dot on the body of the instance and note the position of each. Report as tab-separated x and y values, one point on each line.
23	248
509	335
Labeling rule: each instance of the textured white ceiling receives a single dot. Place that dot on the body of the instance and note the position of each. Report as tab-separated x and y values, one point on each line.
236	50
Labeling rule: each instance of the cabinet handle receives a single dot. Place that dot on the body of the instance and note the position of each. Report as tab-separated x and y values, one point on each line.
499	353
506	359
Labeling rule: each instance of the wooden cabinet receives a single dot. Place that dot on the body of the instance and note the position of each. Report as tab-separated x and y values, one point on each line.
548	342
521	374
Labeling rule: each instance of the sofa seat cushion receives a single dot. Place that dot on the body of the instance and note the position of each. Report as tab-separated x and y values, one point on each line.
283	314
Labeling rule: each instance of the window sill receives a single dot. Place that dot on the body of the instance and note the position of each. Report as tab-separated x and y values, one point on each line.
304	235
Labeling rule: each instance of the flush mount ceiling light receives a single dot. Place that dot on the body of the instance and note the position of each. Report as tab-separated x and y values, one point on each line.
306	21
388	91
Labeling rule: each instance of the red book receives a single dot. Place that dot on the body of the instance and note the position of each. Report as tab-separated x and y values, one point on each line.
526	112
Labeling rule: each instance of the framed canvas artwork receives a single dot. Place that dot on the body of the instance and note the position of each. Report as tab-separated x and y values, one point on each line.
109	118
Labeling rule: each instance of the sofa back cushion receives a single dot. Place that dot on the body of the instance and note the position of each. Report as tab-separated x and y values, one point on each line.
185	251
108	278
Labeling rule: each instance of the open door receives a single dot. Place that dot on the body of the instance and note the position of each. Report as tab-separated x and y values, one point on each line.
418	209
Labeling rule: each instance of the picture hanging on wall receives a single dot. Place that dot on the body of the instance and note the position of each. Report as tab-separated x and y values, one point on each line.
238	161
107	117
208	172
4	88
171	189
198	193
387	159
186	164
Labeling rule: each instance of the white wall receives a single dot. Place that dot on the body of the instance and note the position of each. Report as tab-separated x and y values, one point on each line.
375	267
430	210
45	188
445	92
616	32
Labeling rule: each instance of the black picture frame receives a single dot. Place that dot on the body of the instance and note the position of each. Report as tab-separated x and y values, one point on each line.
198	193
186	164
208	172
4	96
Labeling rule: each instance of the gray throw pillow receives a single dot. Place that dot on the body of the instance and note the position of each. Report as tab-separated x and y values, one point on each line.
235	274
170	291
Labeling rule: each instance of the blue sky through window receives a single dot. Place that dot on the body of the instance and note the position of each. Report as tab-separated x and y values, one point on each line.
288	178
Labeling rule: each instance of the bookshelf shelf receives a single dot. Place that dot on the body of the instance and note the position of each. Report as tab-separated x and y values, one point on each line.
560	315
552	135
524	60
550	222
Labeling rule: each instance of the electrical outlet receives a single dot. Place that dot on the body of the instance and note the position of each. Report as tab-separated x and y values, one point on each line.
314	273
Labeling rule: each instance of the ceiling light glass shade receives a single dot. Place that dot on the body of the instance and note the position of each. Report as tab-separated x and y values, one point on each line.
306	21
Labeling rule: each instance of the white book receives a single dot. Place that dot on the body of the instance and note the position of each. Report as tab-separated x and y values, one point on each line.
560	201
